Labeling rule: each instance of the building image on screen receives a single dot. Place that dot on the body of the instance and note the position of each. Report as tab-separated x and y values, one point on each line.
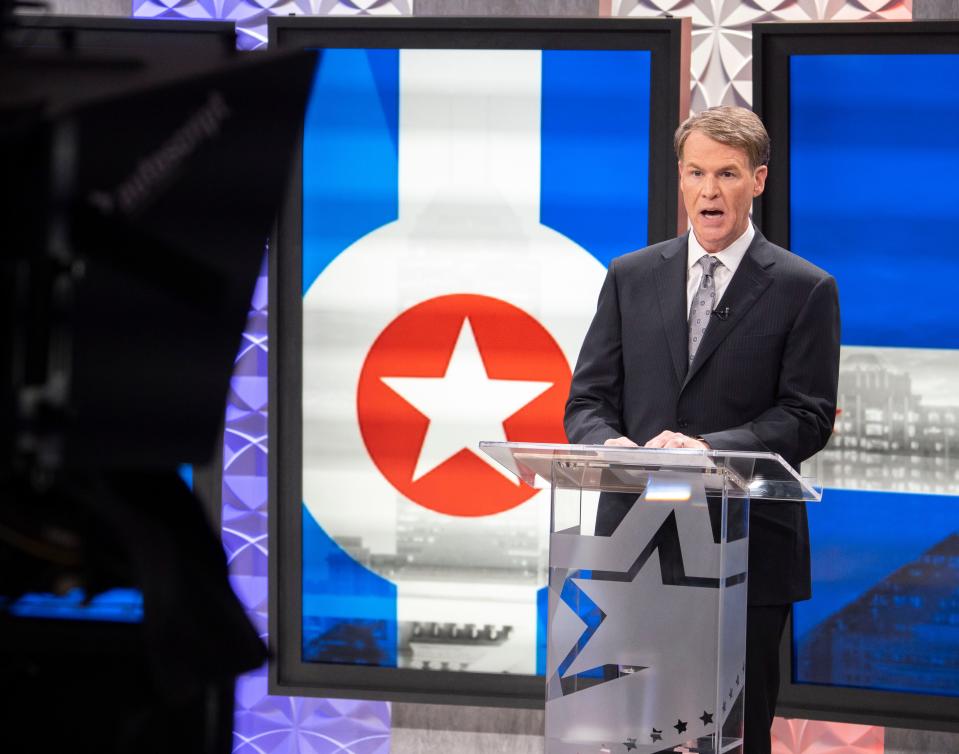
873	156
459	209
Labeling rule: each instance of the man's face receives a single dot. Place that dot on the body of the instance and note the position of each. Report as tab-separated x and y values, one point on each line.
718	188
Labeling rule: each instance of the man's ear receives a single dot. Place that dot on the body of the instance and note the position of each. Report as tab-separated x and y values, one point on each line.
760	179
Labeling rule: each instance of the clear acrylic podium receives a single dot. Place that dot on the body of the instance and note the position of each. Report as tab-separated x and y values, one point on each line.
646	637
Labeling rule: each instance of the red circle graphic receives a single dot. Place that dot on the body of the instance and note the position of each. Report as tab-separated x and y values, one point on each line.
420	343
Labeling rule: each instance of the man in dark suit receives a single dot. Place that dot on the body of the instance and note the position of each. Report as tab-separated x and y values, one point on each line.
720	339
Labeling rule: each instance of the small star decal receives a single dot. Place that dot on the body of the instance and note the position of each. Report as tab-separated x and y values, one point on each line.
680	726
730	693
737	679
706	718
724	706
629	743
657	735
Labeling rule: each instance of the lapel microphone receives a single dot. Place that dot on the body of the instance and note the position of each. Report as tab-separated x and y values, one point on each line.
723	313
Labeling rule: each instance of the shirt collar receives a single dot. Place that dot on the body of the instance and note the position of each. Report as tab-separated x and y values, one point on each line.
731	256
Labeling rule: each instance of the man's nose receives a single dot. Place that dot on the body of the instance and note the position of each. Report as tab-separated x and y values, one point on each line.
710	187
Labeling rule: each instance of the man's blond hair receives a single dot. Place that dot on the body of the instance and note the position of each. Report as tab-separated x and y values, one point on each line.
732	126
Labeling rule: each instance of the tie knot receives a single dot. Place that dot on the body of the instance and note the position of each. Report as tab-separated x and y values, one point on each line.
708	262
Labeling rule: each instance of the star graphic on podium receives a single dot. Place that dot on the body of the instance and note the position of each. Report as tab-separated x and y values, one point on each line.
680	726
629	743
464	406
706	718
657	735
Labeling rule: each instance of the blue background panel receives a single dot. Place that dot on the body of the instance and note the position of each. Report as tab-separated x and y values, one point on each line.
874	155
885	606
349	612
595	148
350	153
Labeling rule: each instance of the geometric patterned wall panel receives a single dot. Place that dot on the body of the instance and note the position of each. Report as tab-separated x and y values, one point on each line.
722	41
817	737
250	15
264	723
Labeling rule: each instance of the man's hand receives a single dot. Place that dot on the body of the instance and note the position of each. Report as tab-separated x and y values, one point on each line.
620	442
670	439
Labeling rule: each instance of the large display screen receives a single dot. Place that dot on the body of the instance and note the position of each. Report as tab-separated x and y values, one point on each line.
453	247
863	156
459	206
872	159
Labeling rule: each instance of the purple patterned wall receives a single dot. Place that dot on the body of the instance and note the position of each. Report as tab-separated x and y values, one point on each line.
264	723
251	15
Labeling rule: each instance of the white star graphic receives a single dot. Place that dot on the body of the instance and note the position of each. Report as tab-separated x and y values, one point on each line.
464	406
645	618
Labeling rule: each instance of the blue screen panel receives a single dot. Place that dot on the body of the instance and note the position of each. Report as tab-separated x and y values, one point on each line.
349	612
885	607
872	155
595	170
874	152
349	152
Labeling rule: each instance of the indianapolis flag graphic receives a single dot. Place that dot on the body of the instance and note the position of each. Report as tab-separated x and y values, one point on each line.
459	209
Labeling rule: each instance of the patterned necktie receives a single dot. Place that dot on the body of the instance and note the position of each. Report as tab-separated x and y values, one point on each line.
704	301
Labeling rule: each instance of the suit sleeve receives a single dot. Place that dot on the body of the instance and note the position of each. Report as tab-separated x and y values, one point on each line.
801	421
594	408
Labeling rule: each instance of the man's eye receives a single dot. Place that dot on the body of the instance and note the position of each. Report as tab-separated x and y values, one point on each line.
728	174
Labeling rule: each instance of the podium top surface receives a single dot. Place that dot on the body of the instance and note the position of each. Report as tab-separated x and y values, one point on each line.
760	476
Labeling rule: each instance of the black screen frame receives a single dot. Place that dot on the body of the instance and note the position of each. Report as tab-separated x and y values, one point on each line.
669	42
200	41
773	45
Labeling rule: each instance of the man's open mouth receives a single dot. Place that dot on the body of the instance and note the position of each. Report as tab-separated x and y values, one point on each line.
712	213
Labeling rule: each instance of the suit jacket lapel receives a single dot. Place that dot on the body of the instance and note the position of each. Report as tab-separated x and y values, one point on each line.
748	283
671	287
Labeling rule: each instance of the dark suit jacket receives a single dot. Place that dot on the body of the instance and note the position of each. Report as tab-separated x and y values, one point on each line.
763	379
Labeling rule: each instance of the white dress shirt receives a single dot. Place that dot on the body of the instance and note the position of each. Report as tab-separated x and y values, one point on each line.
729	259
